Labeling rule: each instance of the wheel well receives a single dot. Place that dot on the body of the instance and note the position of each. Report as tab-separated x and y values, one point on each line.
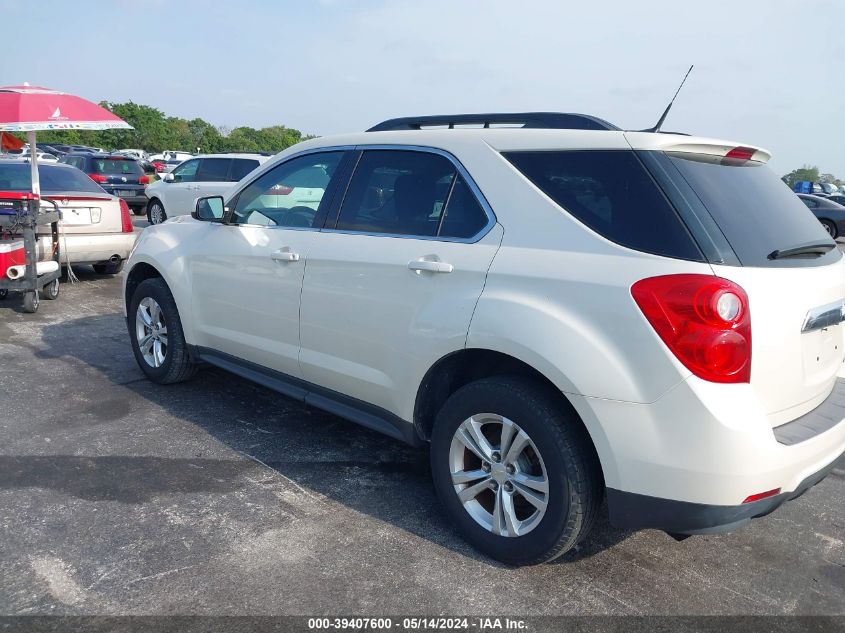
139	273
461	368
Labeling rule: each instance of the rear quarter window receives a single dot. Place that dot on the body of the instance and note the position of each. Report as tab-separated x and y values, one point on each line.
612	193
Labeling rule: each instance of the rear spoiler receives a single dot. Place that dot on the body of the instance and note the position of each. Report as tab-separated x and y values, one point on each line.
682	144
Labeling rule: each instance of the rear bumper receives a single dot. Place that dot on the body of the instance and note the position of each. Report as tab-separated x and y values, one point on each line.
92	248
633	511
139	200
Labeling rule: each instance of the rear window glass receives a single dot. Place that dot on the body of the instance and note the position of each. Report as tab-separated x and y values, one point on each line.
116	166
612	193
54	179
754	209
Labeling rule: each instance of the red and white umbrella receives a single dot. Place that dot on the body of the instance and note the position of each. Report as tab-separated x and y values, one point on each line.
31	108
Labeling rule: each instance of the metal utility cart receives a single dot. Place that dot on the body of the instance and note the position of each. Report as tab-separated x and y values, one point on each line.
21	215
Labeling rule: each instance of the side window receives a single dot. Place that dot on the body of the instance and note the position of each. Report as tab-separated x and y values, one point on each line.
397	192
812	204
186	172
290	194
611	192
213	170
241	167
464	217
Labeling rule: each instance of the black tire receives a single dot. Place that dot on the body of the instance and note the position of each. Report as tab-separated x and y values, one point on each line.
30	301
574	475
155	211
3	294
51	290
139	210
178	365
109	268
830	227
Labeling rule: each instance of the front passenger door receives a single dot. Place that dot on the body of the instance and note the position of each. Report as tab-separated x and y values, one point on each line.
247	273
179	193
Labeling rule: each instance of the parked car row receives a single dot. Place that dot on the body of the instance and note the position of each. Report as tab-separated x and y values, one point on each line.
211	174
829	211
96	227
817	188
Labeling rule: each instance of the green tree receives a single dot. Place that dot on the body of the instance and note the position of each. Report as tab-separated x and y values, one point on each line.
154	132
807	172
830	178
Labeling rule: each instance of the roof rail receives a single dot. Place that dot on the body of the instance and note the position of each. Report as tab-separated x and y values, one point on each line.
548	120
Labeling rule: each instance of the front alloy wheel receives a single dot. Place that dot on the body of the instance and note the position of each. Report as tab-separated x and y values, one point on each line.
499	475
155	213
151	332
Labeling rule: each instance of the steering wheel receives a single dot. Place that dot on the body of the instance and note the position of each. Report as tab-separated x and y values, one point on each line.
301	216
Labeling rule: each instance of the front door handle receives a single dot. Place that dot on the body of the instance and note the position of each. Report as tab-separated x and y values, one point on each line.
282	255
420	265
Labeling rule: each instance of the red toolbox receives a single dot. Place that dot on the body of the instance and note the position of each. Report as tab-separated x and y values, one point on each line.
11	254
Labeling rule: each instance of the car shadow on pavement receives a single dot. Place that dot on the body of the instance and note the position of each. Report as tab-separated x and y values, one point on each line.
361	469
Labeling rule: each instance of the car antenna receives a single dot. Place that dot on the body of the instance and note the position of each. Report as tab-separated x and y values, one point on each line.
657	127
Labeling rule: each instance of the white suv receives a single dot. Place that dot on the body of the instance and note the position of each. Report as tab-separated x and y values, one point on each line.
211	175
565	311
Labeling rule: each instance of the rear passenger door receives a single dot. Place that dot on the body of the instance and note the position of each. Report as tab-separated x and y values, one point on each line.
392	280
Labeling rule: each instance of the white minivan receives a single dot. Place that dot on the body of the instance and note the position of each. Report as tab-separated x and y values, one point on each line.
207	175
564	311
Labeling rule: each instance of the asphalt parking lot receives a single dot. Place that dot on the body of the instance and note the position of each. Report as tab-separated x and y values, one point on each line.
118	496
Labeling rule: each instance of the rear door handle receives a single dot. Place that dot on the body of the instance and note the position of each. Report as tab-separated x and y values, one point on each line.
282	255
419	265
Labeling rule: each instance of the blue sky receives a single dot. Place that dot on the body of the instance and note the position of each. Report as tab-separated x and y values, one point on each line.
767	72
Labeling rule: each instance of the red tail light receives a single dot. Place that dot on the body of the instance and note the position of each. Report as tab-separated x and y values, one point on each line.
125	217
741	153
704	320
738	155
144	180
762	495
100	178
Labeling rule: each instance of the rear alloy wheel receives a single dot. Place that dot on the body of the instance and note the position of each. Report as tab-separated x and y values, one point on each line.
155	212
830	227
515	469
155	331
506	493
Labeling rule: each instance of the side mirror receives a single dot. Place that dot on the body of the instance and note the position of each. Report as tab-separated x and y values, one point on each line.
209	209
169	177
